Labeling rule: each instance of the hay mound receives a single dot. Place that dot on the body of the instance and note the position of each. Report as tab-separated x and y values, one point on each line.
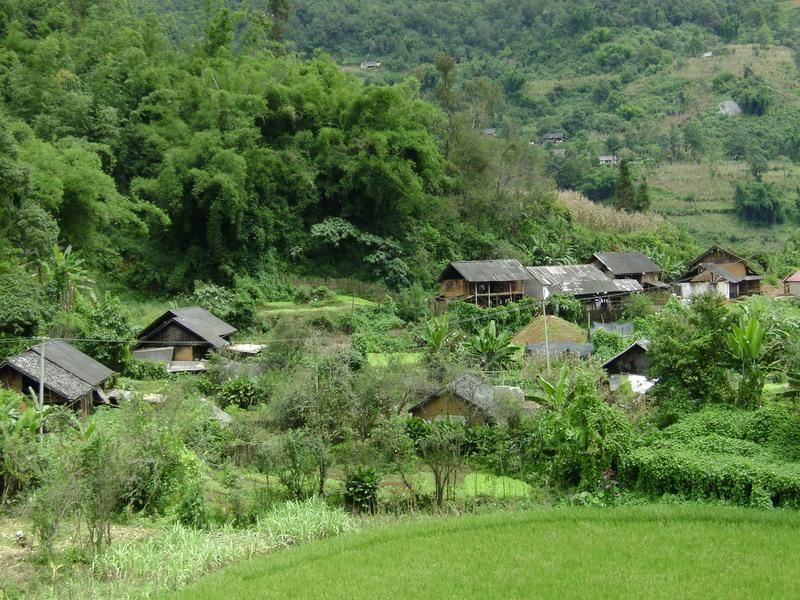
558	330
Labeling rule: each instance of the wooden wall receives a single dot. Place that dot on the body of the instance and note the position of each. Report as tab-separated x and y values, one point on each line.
448	405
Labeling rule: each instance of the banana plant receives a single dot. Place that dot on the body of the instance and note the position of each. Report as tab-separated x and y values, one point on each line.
747	346
555	395
438	336
491	349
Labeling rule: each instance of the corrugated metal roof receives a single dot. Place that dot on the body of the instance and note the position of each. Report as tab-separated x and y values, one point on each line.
551	275
56	379
592	287
487	270
722	272
627	263
74	361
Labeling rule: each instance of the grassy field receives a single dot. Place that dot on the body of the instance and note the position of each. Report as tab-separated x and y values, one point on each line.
635	552
338	304
381	359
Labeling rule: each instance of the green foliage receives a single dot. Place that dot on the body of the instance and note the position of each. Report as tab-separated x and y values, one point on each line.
759	203
489	349
567	307
746	344
107	319
243	393
361	489
734	455
579	436
234	306
689	355
607	344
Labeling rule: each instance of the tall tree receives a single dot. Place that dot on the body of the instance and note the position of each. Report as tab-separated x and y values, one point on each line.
624	193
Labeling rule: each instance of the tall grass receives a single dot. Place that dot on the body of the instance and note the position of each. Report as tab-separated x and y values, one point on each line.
597	216
179	555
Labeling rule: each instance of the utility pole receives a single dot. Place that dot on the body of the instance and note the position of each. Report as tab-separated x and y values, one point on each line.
41	387
546	338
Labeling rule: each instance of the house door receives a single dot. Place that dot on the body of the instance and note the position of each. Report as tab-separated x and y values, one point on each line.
183	353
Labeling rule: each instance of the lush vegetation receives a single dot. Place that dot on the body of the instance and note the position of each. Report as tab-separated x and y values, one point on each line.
716	553
156	155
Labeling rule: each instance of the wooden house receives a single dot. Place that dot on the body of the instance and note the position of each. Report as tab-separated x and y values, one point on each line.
183	335
628	265
469	399
609	160
791	285
490	131
71	378
483	282
370	64
718	270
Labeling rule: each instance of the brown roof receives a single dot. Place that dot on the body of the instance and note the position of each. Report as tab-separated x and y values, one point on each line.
793	278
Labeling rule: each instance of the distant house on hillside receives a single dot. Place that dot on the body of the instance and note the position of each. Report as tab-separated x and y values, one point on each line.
71	378
490	131
791	285
586	282
185	335
719	270
553	138
628	265
483	282
470	400
609	159
370	64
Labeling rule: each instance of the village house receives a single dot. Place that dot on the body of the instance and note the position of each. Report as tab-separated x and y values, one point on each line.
468	399
553	138
629	265
791	285
370	64
719	270
71	378
631	365
490	131
483	282
183	336
586	282
609	159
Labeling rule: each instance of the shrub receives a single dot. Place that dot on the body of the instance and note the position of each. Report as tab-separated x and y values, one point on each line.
361	489
238	392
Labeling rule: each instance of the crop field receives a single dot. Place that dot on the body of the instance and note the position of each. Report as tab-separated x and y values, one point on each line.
654	552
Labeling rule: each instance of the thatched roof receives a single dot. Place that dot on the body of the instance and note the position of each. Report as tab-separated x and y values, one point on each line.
558	330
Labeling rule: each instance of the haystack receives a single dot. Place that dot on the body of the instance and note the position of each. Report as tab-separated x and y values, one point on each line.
558	330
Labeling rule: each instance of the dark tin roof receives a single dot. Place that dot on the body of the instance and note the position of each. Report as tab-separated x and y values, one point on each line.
74	361
196	320
638	344
475	392
68	372
486	270
627	263
582	350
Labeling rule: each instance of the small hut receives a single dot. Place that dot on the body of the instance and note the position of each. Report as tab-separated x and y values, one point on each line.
182	335
71	378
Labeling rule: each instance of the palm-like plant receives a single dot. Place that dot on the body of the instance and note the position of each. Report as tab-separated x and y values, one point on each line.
491	349
437	335
747	346
66	272
555	395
